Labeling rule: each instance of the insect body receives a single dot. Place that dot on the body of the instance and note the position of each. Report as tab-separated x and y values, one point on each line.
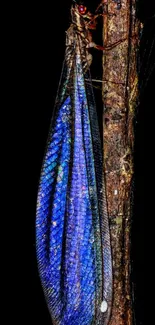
82	24
72	232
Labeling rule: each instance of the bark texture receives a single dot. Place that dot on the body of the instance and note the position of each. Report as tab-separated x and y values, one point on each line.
120	92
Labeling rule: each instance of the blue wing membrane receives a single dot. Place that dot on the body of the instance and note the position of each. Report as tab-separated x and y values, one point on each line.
72	234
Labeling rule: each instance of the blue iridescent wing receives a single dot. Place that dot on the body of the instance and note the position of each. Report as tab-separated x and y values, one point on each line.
72	234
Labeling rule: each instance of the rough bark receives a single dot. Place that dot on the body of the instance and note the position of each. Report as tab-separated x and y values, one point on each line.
119	97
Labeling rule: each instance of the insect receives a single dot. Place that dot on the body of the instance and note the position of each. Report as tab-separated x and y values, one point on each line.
72	230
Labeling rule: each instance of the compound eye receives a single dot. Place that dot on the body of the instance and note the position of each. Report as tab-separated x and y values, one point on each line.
82	9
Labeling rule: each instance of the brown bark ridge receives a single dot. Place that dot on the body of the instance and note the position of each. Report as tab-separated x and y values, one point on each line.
120	91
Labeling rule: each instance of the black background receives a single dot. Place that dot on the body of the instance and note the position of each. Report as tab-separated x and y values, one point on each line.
41	47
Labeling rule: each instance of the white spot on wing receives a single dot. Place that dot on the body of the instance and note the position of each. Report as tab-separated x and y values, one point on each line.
104	306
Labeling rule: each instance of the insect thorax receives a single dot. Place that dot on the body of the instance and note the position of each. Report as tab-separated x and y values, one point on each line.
77	43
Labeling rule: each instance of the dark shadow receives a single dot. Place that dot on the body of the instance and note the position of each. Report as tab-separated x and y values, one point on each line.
142	159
